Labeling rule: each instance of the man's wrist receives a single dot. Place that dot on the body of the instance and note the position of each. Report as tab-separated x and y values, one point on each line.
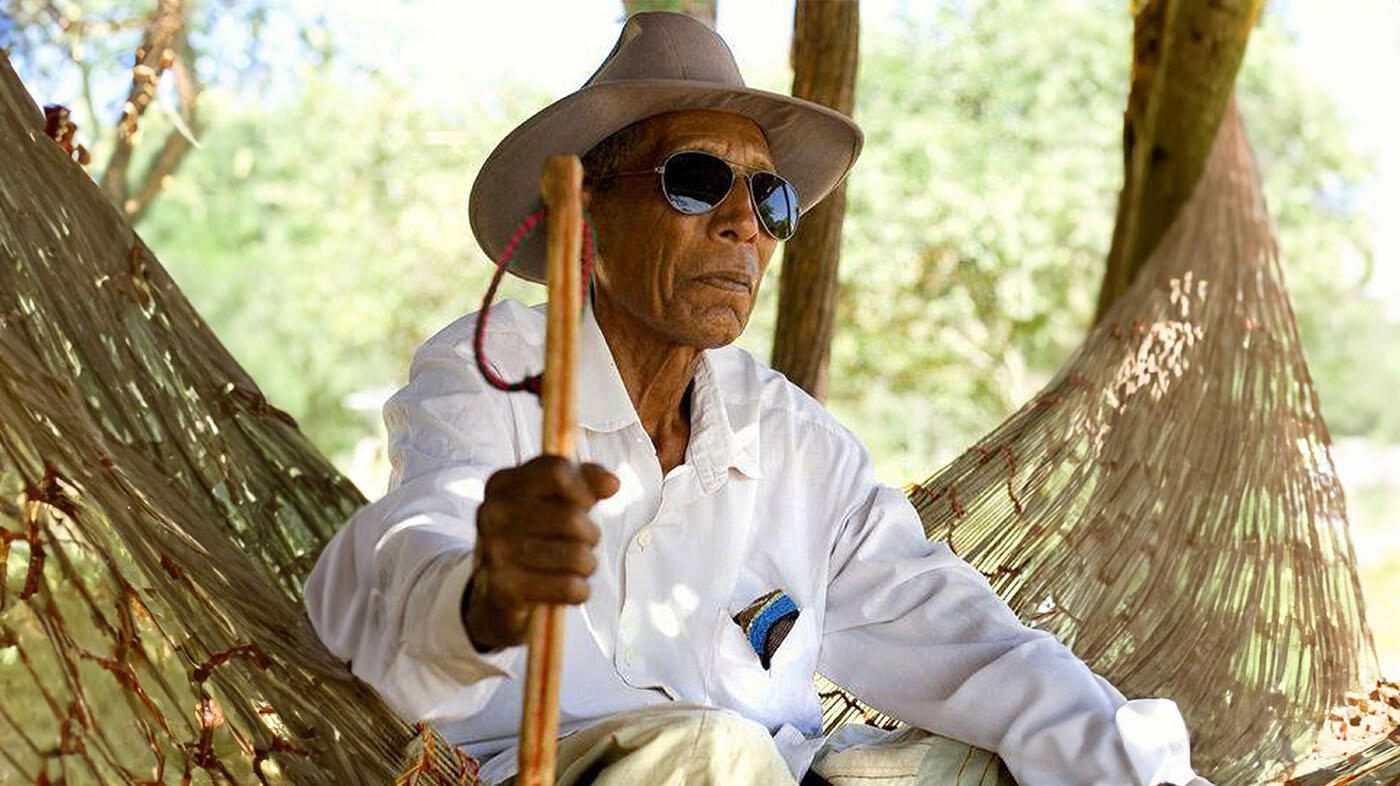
473	636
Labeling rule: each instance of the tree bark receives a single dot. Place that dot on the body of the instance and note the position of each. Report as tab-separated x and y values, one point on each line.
1186	54
824	58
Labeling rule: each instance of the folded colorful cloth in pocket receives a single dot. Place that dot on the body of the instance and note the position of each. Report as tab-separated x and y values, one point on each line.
767	622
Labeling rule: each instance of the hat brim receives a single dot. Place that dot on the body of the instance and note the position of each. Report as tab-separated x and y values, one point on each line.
813	146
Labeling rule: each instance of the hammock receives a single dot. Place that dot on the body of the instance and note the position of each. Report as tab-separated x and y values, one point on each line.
158	516
1167	505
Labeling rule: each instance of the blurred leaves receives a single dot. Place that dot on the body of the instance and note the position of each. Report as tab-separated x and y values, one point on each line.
982	210
326	237
322	229
979	219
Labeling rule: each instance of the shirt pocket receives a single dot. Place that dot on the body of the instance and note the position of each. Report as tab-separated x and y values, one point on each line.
738	681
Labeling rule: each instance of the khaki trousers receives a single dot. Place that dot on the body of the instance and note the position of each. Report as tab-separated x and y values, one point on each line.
671	745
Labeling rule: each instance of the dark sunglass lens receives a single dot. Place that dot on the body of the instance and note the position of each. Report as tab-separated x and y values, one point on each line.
776	200
696	182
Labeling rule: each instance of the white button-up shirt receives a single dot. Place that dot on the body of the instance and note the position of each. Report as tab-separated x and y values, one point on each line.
773	494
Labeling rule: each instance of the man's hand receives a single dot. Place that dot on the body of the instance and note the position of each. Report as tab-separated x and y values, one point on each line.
534	544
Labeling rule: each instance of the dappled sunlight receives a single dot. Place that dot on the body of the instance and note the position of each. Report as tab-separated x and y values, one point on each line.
1160	358
664	619
471	487
159	515
669	617
685	598
1175	475
628	492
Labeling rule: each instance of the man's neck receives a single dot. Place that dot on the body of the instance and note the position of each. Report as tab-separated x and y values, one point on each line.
656	372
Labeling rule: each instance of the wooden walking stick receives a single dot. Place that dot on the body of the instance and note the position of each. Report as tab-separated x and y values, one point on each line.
561	184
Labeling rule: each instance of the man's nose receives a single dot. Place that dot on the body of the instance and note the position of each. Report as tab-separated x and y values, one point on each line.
734	219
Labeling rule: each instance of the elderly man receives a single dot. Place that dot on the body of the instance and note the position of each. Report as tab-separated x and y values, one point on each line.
725	538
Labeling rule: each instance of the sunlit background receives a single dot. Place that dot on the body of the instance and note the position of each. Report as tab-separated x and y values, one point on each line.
319	224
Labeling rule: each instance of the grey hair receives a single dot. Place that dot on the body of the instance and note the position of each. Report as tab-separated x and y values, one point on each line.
607	156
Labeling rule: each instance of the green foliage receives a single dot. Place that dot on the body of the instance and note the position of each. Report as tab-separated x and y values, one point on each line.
983	207
79	53
327	237
322	228
1310	175
978	220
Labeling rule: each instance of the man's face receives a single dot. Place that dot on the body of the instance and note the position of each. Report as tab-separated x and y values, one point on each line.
692	279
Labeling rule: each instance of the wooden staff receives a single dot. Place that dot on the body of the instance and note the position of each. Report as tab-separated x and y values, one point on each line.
561	184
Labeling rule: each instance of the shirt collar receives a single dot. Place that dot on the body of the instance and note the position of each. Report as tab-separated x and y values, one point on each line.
723	433
603	403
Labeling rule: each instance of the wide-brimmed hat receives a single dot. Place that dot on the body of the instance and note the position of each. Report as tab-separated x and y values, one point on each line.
662	62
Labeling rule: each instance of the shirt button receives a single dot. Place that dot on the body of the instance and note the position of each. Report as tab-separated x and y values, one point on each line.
627	656
644	538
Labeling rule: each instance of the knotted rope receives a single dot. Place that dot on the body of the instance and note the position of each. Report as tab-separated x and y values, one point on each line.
526	229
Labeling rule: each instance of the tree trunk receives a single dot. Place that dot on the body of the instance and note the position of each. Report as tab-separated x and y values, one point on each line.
824	57
1185	57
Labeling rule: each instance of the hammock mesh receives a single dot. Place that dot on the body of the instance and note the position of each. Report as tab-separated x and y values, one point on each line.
157	519
1167	506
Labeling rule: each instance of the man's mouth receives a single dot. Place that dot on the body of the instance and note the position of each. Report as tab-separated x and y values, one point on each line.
722	281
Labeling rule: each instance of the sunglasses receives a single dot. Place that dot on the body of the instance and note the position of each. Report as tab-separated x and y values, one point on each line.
696	182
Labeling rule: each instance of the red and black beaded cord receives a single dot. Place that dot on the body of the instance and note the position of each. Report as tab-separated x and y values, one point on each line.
532	383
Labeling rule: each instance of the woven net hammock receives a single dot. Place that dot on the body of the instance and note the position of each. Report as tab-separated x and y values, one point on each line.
1167	506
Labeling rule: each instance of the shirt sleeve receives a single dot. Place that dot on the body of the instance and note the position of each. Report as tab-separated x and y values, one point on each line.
386	592
955	660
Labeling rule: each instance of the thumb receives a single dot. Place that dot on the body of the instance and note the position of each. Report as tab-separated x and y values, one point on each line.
603	483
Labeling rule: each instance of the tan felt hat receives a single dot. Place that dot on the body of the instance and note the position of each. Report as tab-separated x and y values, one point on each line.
662	62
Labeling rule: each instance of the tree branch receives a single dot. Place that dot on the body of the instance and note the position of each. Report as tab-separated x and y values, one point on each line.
179	140
152	57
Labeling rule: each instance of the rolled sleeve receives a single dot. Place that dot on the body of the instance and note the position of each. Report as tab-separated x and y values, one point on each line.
437	633
386	592
955	660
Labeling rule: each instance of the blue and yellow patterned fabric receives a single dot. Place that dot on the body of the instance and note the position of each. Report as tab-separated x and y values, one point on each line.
766	623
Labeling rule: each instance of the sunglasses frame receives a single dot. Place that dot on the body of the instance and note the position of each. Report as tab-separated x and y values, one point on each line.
734	173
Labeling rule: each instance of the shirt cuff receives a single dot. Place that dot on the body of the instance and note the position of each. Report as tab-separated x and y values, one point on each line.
1156	741
442	637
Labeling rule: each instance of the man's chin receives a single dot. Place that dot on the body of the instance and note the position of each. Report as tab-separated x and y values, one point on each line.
720	326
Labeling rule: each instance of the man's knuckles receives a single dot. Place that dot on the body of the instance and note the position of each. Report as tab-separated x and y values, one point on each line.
520	588
524	518
557	520
556	556
564	589
582	528
552	477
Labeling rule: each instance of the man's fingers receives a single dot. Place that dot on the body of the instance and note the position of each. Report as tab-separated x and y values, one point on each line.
530	587
554	555
503	481
603	483
559	478
535	536
542	477
562	588
537	518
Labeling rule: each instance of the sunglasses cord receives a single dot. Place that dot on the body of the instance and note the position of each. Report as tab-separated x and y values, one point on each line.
534	382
